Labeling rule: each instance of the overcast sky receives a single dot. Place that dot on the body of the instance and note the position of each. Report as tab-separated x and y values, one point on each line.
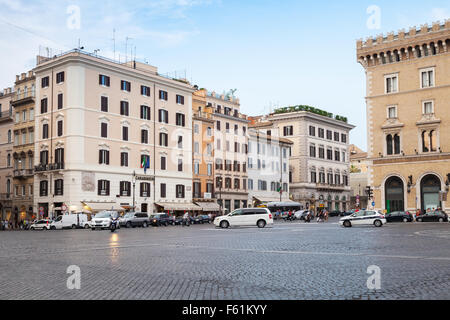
275	53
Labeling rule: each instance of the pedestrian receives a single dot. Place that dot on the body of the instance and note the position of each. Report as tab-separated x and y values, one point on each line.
186	219
326	215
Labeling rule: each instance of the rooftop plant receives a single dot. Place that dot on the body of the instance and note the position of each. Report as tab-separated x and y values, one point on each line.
310	109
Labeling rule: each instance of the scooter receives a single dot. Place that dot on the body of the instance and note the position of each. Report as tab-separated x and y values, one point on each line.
113	225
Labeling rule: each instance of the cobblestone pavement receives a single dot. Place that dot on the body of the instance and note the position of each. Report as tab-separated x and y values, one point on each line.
291	261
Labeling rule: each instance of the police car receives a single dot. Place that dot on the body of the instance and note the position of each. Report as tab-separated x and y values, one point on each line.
363	217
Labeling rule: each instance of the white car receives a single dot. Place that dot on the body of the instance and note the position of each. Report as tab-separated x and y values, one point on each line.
363	217
102	220
40	225
72	221
260	217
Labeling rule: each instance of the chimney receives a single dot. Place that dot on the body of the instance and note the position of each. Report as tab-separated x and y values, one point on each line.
17	78
30	74
23	76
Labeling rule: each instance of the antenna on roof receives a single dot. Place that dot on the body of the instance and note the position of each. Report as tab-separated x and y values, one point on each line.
114	43
126	48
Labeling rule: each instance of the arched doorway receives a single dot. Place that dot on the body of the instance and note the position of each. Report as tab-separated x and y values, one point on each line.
429	192
394	195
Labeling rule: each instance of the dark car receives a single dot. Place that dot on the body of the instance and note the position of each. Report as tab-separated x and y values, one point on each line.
196	220
436	216
335	213
205	219
161	219
399	216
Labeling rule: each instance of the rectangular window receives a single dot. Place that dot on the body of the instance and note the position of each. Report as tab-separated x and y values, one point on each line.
43	158
329	154
125	133
125	86
104	104
59	156
104	80
60	101
163	139
427	78
145	91
391	83
45	131
31	114
163	95
428	107
180	119
180	99
60	128
163	116
163	192
312	131
145	113
59	187
180	142
104	130
329	135
103	157
312	151
145	189
144	136
343	138
44	105
124	108
163	163
45	82
124	159
180	165
337	155
218	125
103	187
288	131
336	136
180	191
125	188
392	112
321	133
43	188
60	77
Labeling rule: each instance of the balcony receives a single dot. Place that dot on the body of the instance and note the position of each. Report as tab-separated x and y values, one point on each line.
6	116
23	98
49	167
203	115
23	173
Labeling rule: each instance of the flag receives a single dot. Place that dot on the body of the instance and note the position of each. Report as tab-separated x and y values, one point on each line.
145	163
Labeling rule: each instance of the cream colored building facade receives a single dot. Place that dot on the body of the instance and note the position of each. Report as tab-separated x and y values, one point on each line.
23	102
359	177
230	151
408	116
99	125
6	150
319	159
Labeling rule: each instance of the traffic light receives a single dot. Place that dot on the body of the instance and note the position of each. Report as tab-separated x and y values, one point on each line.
369	192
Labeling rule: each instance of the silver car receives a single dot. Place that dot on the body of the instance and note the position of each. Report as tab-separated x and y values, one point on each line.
135	219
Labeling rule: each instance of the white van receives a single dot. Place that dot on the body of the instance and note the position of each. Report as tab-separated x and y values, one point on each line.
258	217
70	221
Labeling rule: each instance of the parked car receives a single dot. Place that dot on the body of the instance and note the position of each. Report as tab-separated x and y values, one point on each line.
435	216
399	216
206	218
135	219
363	217
70	221
260	217
103	220
161	219
40	225
335	213
301	214
197	220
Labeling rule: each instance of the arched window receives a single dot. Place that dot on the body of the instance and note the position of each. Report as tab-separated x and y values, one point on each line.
389	144
397	144
425	142
433	140
429	141
9	136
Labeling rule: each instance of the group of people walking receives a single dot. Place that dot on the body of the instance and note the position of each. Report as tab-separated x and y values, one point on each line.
12	225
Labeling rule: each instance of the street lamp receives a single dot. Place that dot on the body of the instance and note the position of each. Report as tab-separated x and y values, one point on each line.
134	188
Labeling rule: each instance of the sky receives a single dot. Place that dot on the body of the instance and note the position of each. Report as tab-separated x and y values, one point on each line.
275	53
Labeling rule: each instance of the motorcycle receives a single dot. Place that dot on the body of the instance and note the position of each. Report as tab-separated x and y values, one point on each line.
113	225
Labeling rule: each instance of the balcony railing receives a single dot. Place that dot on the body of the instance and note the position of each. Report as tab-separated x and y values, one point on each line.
6	116
23	97
21	173
5	196
201	114
49	167
331	186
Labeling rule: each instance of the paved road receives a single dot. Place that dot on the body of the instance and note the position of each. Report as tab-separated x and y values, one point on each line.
291	261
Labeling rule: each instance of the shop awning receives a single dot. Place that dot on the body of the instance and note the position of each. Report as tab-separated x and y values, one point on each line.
179	206
209	206
267	199
100	206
